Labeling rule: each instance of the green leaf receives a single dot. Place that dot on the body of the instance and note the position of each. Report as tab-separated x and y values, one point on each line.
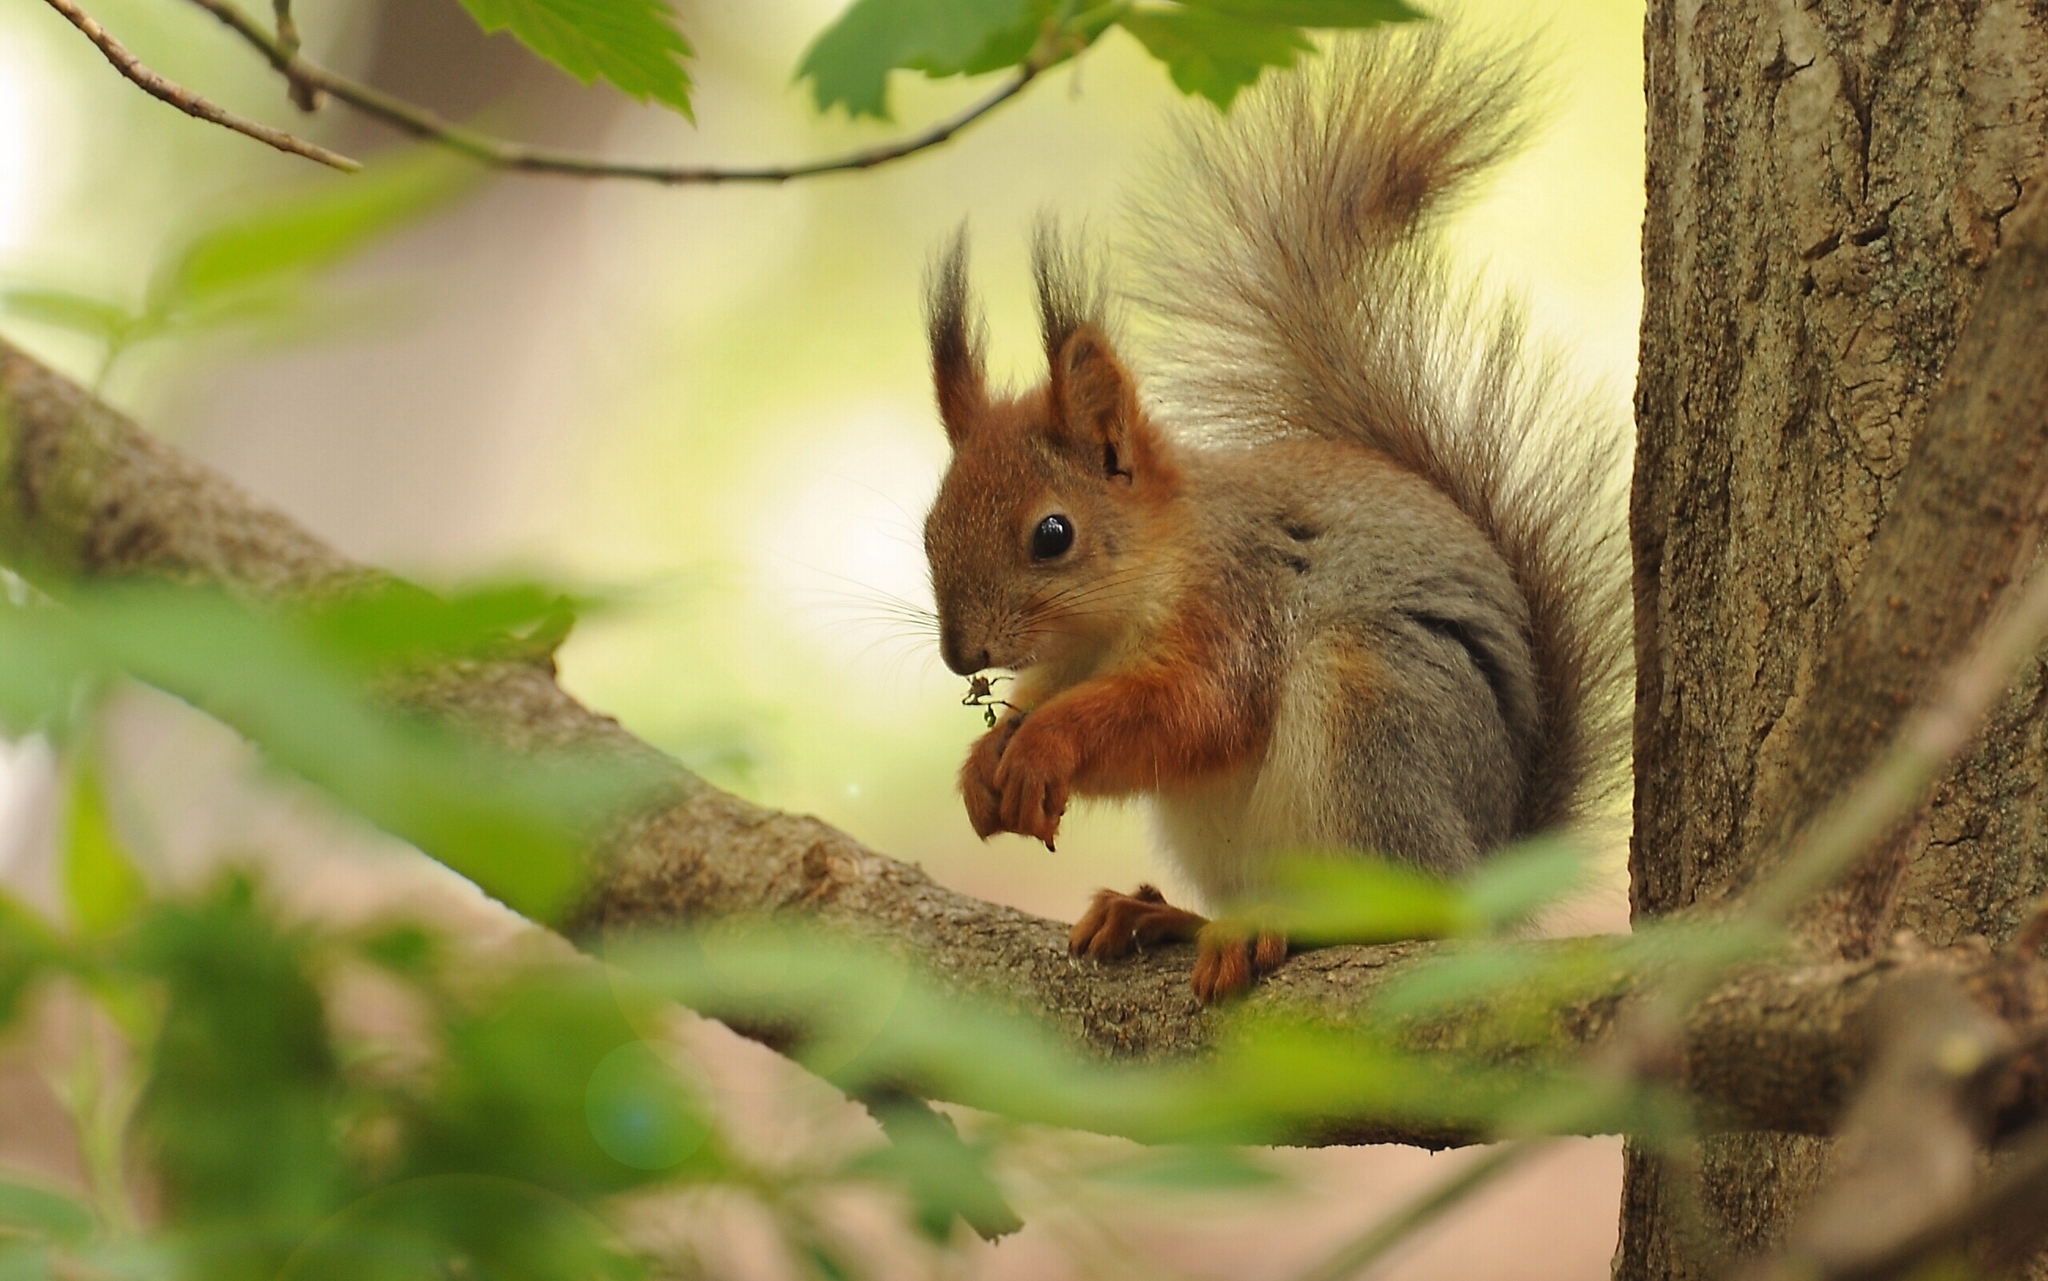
107	321
397	624
1311	13
1213	55
849	64
1514	884
944	1175
1324	901
249	260
26	1208
517	825
1200	1168
639	1112
632	43
242	1103
101	885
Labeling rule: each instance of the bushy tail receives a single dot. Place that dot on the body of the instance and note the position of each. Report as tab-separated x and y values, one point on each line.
1290	250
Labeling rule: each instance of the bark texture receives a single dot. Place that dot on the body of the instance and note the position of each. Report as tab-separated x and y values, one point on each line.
1827	184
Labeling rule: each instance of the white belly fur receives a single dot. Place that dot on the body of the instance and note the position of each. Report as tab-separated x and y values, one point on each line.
1227	836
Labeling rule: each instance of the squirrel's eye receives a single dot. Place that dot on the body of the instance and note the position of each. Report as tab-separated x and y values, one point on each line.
1052	537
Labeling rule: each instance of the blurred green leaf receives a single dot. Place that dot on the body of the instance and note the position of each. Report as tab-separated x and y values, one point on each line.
1459	978
395	624
107	321
639	1111
101	885
530	1090
632	43
849	64
1514	884
1312	13
43	1213
241	1109
516	825
944	1175
250	264
1199	1168
1354	900
825	1262
462	1225
1211	54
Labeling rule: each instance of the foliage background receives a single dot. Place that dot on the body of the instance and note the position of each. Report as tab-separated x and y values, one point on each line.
714	399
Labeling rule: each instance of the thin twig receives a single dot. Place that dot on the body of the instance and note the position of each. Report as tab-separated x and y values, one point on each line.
304	96
504	154
188	102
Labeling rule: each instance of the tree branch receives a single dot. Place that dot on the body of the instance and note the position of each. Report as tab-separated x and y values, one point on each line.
306	78
84	491
191	103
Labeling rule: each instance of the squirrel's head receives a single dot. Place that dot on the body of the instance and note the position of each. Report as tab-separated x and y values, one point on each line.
1040	538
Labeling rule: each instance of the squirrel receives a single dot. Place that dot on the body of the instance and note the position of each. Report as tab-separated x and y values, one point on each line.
1355	581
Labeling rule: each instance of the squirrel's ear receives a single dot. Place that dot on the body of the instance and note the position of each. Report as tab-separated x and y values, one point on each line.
958	371
1095	405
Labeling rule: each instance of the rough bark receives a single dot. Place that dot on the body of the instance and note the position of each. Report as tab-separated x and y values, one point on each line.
82	490
1827	183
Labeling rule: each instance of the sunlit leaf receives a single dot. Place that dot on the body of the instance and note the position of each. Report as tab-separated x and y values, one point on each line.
101	885
42	1212
96	317
1212	54
849	64
398	624
632	43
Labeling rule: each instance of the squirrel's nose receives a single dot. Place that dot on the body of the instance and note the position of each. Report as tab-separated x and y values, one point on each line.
961	662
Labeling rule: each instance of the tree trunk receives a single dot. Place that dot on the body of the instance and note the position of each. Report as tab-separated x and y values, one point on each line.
1826	185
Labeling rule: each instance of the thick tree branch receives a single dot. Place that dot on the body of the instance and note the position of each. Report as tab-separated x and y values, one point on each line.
189	102
308	80
83	490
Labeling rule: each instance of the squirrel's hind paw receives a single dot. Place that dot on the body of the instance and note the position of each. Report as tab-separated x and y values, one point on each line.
1116	924
1229	961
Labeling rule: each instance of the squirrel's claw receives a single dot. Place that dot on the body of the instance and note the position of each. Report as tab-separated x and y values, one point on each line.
1116	924
1229	961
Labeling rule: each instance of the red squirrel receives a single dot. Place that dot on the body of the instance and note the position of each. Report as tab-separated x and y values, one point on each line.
1354	581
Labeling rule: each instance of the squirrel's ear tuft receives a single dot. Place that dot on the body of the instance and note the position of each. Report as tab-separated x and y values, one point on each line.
1095	405
958	370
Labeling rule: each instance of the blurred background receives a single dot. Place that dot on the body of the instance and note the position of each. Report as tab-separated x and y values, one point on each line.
712	402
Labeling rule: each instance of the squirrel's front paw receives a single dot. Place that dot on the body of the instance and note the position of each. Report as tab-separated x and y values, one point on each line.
978	778
1032	779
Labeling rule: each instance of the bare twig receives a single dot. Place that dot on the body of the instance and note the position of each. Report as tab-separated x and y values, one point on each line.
304	96
191	103
502	153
